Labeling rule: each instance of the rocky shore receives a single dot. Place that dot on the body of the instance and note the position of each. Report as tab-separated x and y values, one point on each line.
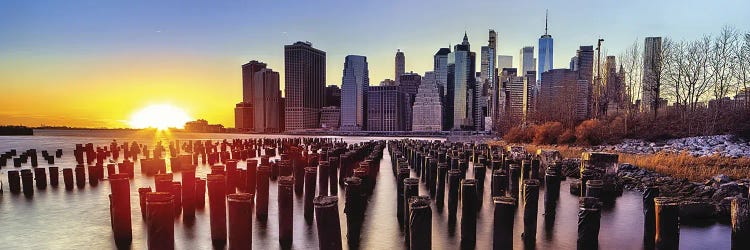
698	201
722	145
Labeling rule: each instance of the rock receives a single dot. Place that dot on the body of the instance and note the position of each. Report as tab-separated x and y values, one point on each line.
696	210
720	179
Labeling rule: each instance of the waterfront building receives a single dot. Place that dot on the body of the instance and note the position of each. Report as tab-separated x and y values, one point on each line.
427	109
461	86
333	96
385	109
585	68
354	85
304	77
243	117
400	63
330	117
266	101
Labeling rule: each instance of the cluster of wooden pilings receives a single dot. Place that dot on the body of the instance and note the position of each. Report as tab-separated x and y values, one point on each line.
309	167
25	179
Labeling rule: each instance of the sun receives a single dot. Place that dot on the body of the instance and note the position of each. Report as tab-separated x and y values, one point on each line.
159	116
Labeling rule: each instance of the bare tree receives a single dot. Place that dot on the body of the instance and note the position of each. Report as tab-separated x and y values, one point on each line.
722	61
631	63
742	69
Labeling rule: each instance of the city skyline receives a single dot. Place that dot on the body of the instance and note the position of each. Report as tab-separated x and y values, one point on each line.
107	74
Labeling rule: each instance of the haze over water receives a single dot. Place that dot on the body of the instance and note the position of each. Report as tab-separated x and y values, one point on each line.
79	219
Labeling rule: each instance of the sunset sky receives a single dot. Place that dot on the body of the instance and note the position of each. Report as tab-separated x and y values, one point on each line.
94	63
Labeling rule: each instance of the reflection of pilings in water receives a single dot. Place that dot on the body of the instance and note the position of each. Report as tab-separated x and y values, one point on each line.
504	216
740	210
240	220
411	189
27	179
142	195
333	174
530	210
468	213
327	220
119	203
594	188
261	200
200	193
403	173
217	205
420	223
514	180
188	192
480	172
649	216
80	176
251	176
499	183
442	171
551	195
310	174
588	223
432	170
40	175
354	210
454	179
323	172
286	215
54	176
667	223
67	178
161	220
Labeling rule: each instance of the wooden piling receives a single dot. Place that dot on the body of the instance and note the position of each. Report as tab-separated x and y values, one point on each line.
286	215
217	202
240	207
328	223
502	225
667	223
160	224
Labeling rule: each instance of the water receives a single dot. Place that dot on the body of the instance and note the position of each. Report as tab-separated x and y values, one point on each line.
79	219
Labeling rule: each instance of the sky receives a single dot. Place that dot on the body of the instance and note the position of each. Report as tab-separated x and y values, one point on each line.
95	63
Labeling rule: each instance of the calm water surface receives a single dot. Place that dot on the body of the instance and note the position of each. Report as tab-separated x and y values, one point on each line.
79	219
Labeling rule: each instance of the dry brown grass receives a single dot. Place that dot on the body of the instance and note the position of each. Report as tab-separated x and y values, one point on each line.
684	165
565	150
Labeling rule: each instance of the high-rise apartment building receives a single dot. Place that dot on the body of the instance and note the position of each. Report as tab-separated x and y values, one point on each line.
304	77
585	68
520	97
354	83
504	62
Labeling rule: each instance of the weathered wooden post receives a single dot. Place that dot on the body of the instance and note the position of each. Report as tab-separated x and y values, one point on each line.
649	215
454	180
402	174
588	223
328	224
740	223
67	178
119	208
468	213
217	202
286	215
14	181
261	210
160	221
530	210
27	179
420	223
354	210
515	177
142	196
240	220
504	217
442	171
309	209
667	223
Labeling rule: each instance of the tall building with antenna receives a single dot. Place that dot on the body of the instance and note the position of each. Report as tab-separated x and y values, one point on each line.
545	50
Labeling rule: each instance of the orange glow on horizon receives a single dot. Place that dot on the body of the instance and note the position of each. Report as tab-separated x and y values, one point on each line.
159	116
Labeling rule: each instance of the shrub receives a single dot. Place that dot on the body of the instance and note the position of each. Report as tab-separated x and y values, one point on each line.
567	137
548	133
519	135
589	133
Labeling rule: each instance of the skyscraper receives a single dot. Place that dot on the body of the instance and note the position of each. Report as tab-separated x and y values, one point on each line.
526	60
409	84
243	111
385	108
266	101
520	97
504	62
354	85
333	96
427	109
545	52
461	84
305	77
400	65
652	55
585	68
440	67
